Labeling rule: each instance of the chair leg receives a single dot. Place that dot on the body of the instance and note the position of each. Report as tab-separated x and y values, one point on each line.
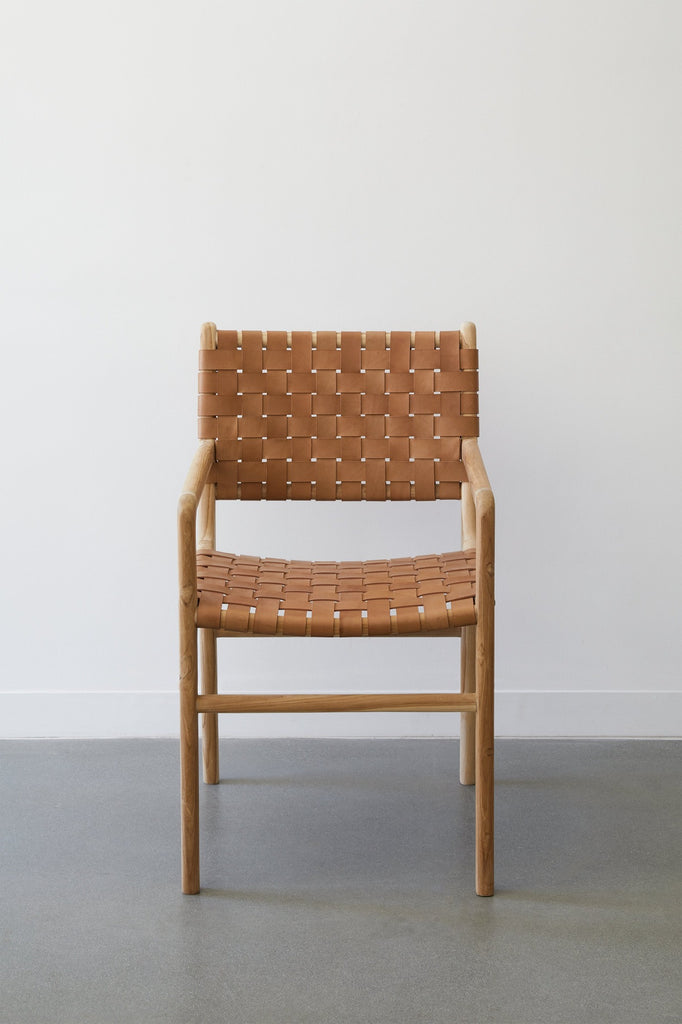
467	720
209	726
485	751
189	762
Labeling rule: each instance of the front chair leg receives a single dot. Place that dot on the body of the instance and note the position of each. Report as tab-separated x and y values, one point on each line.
209	685
485	752
189	762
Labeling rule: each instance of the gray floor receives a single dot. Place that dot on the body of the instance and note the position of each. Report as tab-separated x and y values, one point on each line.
338	885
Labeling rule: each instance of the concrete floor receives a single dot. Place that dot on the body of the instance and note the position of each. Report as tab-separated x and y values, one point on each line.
339	885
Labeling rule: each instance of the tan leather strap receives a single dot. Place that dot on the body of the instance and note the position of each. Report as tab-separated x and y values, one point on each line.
302	415
379	598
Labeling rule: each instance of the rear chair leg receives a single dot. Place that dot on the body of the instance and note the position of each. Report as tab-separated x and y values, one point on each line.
209	727
467	720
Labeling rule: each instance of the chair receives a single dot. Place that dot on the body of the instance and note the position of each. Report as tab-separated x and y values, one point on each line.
323	416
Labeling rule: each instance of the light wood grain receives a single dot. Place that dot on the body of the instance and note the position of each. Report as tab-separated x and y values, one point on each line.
484	504
209	723
250	703
206	519
467	332
192	489
189	722
207	638
476	471
189	732
485	655
467	725
209	335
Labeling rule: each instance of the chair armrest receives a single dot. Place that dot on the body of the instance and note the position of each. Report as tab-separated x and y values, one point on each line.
484	503
192	489
204	457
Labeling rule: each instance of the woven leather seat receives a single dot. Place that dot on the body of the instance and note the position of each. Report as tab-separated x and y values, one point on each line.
273	597
337	416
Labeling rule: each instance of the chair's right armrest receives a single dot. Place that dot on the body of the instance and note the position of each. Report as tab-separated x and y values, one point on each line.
204	457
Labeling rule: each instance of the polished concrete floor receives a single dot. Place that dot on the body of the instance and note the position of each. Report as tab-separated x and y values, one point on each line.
339	885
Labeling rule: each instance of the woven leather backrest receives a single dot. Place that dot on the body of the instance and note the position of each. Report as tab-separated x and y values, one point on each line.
351	416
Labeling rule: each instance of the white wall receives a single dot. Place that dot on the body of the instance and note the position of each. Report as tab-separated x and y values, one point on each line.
346	164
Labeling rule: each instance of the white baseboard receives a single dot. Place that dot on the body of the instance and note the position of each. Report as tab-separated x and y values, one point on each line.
106	715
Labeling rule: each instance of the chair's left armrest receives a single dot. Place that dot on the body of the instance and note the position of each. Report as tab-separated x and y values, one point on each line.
192	489
481	490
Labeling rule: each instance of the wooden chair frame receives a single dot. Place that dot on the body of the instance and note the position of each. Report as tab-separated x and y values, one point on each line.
475	701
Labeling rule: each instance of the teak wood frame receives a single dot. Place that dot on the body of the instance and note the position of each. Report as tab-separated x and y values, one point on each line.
196	531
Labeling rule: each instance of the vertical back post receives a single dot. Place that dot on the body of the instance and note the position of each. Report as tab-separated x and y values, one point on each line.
485	692
467	723
207	637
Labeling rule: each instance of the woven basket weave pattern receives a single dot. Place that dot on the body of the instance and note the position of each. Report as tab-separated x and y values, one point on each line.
272	596
326	416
